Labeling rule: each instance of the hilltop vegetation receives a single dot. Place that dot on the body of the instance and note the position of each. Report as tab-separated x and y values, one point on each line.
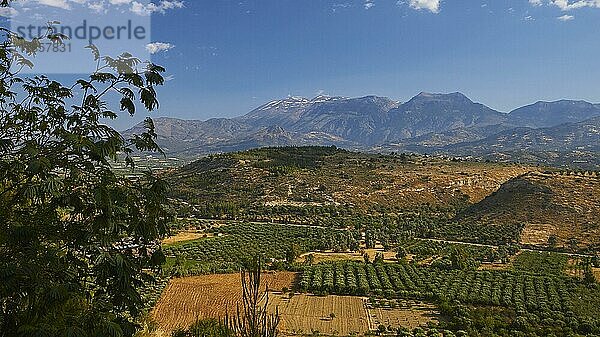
391	195
560	210
296	180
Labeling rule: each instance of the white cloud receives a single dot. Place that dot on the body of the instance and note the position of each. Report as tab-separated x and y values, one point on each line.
64	4
369	4
339	6
97	7
565	18
170	5
147	9
157	47
138	7
430	5
567	5
8	12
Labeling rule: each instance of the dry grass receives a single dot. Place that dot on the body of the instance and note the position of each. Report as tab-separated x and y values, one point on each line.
537	234
208	296
329	256
494	266
362	180
303	314
186	236
566	207
410	315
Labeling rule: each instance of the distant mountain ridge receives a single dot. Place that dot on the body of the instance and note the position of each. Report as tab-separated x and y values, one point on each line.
431	123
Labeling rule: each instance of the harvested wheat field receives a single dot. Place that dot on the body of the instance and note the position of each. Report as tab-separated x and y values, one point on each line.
303	314
186	236
208	296
409	315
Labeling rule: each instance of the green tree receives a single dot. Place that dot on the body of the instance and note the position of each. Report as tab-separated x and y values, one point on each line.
460	259
309	259
206	328
588	273
552	241
401	254
292	253
378	258
77	240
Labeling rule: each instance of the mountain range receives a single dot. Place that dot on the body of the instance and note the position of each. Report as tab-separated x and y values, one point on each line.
562	133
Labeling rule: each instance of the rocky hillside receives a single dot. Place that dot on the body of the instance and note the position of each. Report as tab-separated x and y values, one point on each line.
554	133
571	144
329	176
558	210
549	114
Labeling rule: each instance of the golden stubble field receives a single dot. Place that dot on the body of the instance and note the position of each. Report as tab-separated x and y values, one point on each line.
186	236
352	315
210	296
304	314
207	296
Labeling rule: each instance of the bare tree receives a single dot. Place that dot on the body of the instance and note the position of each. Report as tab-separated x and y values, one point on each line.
253	319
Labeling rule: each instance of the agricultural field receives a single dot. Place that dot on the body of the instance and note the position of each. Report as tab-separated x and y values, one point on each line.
233	244
548	296
352	315
305	314
186	235
408	314
441	253
318	257
384	242
544	263
208	296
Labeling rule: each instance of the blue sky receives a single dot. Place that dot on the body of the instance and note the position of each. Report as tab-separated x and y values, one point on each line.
226	57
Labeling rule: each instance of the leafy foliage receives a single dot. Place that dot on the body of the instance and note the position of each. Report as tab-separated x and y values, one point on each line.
541	262
205	328
240	242
537	300
76	239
